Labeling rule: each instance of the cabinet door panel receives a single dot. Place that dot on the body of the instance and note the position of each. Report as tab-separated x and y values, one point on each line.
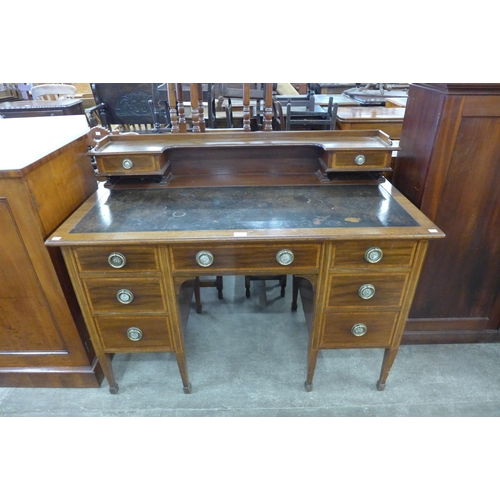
26	322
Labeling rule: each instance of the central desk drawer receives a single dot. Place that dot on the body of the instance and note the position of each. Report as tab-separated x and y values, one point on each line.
125	294
117	259
134	164
246	257
133	333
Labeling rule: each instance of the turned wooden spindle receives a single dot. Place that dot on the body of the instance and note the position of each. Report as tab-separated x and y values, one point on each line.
201	110
180	108
246	107
172	104
267	124
195	113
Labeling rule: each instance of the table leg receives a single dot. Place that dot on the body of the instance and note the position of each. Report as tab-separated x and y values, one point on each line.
389	357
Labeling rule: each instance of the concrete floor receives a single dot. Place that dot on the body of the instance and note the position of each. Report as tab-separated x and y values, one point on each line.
247	357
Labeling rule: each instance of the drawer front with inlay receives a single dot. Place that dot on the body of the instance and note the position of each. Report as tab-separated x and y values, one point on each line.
131	164
117	259
134	333
358	329
366	290
376	254
282	258
356	160
125	295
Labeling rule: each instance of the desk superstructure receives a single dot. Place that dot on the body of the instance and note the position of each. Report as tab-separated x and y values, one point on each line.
306	204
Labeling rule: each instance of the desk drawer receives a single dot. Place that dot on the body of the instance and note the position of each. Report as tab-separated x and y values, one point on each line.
136	295
134	333
355	254
132	164
247	258
357	160
117	259
371	290
339	327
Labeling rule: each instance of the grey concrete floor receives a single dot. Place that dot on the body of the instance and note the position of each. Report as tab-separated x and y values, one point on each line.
247	357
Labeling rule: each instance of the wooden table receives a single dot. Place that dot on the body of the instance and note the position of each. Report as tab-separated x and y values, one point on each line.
45	175
396	102
23	109
390	120
234	203
340	99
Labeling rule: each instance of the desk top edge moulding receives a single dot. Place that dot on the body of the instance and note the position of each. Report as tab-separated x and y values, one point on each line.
312	204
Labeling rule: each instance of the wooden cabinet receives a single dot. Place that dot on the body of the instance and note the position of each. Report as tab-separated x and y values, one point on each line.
45	175
272	206
449	167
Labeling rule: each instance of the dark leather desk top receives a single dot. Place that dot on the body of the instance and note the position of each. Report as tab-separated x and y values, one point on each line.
251	208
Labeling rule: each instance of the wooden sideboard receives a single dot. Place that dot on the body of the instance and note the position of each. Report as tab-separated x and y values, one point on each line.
233	203
449	167
45	175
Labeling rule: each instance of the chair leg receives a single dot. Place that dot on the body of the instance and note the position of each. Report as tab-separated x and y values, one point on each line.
295	293
197	297
247	286
219	285
283	284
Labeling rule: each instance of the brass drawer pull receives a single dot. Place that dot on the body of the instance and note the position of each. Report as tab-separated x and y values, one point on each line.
360	160
374	255
127	163
366	291
359	329
124	296
117	260
285	257
204	258
134	334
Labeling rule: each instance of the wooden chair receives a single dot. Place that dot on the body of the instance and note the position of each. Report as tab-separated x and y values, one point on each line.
128	107
52	91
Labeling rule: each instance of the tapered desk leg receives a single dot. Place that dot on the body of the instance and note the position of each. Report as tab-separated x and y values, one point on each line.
107	368
181	362
311	366
389	357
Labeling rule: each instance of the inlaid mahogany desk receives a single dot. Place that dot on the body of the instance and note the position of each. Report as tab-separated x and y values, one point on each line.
24	109
309	204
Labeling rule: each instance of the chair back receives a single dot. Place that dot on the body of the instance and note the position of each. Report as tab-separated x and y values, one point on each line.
52	91
128	107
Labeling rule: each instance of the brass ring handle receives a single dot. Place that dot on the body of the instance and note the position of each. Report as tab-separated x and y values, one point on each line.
366	291
117	260
285	257
204	258
124	296
359	329
127	163
374	255
134	334
360	160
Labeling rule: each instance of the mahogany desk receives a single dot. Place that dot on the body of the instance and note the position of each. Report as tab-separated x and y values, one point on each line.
233	203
